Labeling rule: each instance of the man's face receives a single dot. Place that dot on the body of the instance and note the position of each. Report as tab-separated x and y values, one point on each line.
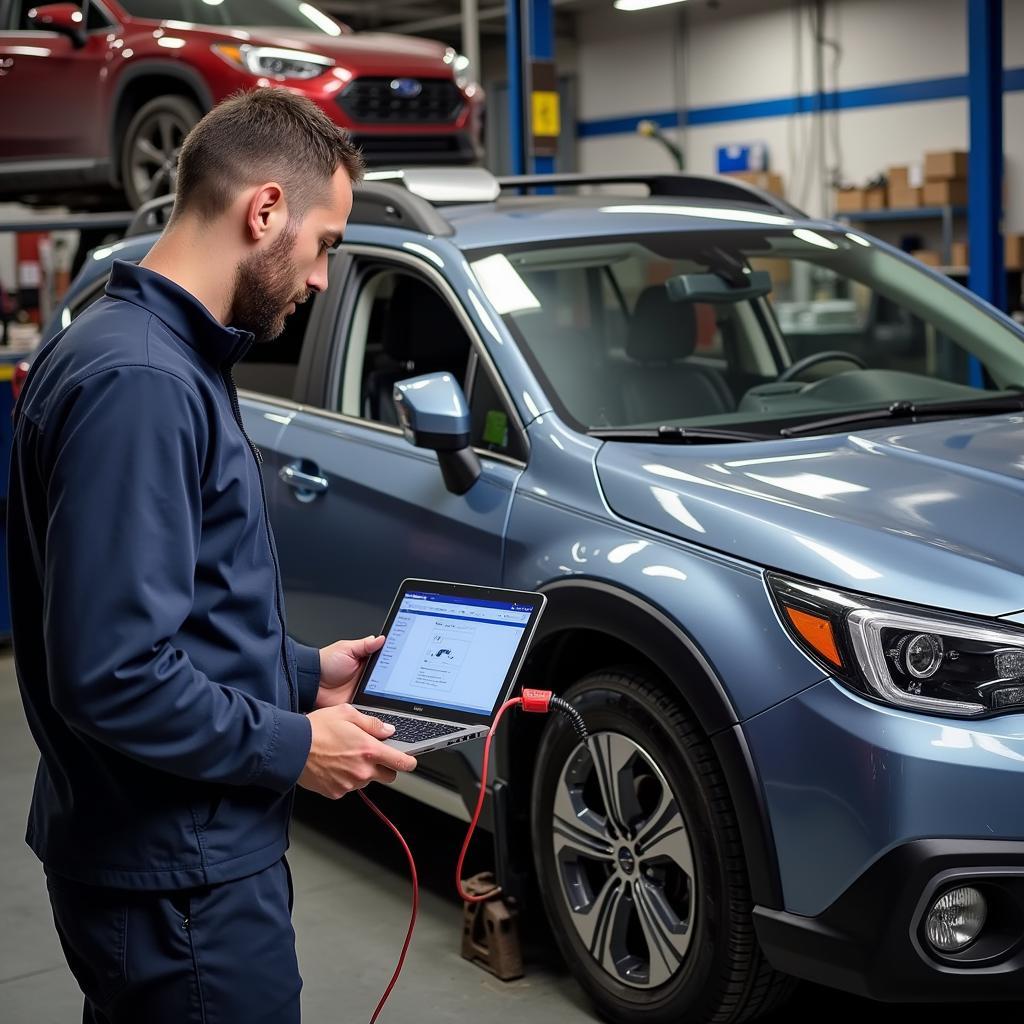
273	281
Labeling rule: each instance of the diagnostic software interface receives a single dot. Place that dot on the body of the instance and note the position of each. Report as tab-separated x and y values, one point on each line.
449	652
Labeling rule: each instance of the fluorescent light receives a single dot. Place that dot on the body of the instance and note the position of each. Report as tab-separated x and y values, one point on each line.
501	283
642	5
321	20
814	238
704	212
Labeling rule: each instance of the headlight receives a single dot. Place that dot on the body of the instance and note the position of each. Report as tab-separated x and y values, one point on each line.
270	62
460	67
910	657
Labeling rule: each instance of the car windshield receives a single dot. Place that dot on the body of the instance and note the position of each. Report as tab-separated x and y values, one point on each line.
277	13
741	329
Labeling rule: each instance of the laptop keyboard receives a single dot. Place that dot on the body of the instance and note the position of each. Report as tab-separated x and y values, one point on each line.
412	730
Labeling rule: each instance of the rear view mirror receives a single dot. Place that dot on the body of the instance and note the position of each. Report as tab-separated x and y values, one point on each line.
716	289
433	413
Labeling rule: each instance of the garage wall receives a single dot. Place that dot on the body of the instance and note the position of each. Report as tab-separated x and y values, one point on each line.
737	70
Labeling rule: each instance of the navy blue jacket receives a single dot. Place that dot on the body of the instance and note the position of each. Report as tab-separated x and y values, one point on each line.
157	676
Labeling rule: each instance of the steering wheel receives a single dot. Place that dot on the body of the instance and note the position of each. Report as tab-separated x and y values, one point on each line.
819	357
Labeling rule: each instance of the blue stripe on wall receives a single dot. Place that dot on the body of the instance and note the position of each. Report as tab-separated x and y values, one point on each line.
954	87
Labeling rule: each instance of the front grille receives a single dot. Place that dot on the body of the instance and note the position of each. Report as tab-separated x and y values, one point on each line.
373	99
395	150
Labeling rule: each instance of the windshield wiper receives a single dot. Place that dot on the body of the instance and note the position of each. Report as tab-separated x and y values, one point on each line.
676	435
912	410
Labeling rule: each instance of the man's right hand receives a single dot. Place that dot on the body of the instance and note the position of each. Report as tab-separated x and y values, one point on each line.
347	752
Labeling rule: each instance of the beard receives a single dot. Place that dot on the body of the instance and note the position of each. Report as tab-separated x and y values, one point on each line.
264	286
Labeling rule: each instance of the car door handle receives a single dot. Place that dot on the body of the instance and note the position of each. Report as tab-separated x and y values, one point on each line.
307	484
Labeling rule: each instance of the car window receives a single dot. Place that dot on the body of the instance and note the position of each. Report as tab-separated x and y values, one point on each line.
493	428
697	327
401	327
95	19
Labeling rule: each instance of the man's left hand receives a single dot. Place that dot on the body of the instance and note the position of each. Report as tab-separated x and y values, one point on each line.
340	666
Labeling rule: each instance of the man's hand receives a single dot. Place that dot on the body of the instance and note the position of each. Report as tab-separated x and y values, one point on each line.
340	665
347	753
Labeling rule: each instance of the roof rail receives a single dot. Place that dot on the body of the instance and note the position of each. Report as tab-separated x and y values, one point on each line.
389	205
152	215
690	186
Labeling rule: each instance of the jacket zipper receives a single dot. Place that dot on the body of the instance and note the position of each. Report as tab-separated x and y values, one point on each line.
229	381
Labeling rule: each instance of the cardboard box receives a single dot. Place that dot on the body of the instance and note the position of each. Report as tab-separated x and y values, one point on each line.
1014	252
958	254
945	193
948	165
927	256
906	176
874	199
904	198
850	200
767	181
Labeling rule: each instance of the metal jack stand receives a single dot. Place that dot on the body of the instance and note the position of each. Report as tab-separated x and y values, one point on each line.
490	931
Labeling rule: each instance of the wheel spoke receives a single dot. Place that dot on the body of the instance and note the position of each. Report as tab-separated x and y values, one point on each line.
668	939
148	152
166	136
666	838
580	829
601	925
611	754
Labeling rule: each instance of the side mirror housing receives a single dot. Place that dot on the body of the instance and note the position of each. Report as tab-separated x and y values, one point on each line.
433	413
67	19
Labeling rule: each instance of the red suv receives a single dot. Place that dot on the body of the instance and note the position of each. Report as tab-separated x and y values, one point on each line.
98	95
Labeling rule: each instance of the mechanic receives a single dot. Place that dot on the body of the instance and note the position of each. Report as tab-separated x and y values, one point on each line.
173	713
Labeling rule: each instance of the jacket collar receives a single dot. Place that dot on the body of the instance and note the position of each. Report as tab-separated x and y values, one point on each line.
181	311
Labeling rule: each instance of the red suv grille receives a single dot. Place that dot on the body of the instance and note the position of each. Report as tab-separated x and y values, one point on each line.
389	99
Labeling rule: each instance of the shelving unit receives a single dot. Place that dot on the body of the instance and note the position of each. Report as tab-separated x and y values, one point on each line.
947	215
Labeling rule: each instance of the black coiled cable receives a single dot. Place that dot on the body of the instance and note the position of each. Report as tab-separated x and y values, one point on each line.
572	714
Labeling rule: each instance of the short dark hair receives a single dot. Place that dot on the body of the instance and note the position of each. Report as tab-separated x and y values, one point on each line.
263	134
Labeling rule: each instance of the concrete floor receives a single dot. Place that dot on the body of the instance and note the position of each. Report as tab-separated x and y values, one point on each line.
351	912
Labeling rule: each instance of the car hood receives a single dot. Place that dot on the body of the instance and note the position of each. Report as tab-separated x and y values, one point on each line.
930	513
368	52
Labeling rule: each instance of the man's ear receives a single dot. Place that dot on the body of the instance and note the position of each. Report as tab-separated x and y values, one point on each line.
266	205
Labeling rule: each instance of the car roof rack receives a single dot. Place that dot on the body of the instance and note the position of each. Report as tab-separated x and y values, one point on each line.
385	204
152	215
678	185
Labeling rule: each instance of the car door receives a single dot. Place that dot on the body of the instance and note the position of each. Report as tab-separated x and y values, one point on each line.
362	509
52	88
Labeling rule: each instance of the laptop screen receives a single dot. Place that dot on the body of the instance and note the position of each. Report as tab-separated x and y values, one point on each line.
448	652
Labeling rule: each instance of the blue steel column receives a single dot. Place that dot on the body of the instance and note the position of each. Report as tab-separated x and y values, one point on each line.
985	168
541	47
514	59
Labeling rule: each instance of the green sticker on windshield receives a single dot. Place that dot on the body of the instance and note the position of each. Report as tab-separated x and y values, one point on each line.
496	428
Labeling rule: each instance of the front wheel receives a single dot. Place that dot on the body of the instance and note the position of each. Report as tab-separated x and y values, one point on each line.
149	155
640	865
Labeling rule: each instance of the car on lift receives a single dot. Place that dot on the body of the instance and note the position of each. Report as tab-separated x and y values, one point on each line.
783	591
99	94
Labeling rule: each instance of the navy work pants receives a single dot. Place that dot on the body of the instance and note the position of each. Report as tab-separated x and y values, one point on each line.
220	954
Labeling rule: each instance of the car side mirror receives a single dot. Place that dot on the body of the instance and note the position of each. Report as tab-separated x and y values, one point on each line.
66	19
433	413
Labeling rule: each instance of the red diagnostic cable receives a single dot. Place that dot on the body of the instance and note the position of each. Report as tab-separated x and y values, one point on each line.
531	700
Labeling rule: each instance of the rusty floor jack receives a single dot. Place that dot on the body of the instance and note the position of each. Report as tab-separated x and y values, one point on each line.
490	930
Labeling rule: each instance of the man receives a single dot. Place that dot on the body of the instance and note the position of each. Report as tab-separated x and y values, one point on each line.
173	713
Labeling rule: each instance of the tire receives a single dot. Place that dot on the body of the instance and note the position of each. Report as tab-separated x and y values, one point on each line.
149	152
671	939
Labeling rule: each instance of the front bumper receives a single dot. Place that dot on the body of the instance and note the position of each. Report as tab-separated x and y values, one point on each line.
871	940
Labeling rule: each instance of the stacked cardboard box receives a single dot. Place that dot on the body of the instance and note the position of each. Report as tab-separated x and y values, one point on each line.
905	187
945	178
851	200
767	181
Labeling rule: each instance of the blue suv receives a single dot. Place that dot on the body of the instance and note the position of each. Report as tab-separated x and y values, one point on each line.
769	472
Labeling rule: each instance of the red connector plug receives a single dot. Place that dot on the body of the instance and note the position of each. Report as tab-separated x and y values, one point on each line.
538	701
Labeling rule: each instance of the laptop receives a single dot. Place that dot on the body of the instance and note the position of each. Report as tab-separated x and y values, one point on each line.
451	658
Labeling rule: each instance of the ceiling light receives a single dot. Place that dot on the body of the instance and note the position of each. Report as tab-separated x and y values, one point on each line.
642	5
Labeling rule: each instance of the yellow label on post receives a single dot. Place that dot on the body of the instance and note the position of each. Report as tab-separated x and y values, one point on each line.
546	117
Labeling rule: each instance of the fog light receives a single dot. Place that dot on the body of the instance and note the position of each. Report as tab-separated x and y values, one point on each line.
956	919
